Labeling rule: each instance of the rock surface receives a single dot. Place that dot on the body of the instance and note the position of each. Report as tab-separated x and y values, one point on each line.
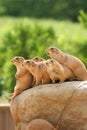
66	103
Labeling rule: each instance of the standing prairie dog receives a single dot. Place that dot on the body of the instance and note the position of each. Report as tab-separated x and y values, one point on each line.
58	71
40	124
72	62
37	59
38	70
24	78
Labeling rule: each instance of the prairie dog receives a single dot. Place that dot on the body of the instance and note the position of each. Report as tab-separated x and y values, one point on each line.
72	62
24	78
38	70
58	71
40	124
38	59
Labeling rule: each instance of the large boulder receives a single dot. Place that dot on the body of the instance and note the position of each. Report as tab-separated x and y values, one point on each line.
65	102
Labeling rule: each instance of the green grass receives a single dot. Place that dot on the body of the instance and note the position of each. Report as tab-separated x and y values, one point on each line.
64	29
67	32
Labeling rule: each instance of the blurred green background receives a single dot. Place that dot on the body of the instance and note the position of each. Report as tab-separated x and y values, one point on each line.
28	27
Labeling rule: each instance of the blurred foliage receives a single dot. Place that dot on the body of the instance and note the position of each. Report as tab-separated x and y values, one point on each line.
1	86
83	18
44	8
24	40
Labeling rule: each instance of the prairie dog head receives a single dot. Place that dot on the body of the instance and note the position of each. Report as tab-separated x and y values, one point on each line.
52	51
51	62
17	60
29	64
38	59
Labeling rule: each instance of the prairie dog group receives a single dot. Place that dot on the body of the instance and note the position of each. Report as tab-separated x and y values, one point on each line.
38	70
40	124
24	78
72	62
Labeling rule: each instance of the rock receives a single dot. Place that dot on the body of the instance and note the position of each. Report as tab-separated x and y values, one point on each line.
65	102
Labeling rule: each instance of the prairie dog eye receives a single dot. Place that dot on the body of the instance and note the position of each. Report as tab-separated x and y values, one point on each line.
51	61
27	62
17	58
47	63
36	58
52	48
33	63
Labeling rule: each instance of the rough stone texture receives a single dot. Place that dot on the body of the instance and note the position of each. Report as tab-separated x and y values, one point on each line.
66	102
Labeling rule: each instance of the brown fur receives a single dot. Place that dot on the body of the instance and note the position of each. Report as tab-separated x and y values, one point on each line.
38	70
24	78
72	62
58	71
38	59
40	124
